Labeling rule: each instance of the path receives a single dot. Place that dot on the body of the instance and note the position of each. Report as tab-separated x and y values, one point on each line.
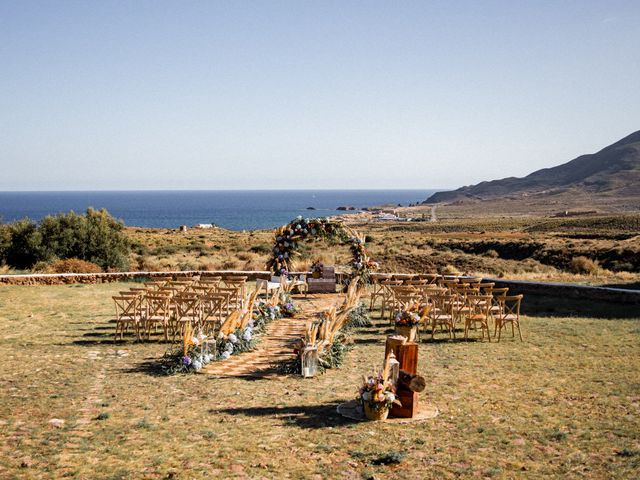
276	345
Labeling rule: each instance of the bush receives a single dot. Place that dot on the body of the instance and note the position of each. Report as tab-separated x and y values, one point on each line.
450	270
491	254
95	237
25	247
583	265
72	265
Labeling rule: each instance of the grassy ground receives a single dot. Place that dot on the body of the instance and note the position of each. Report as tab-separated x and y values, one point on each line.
564	403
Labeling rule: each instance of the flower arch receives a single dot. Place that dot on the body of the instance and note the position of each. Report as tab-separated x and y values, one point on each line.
289	237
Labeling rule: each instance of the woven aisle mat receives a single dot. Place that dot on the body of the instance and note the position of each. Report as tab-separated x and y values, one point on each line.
276	345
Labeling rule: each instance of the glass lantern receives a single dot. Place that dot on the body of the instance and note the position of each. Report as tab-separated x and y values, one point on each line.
394	369
309	362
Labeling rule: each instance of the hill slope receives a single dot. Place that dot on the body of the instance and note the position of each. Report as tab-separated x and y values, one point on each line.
612	172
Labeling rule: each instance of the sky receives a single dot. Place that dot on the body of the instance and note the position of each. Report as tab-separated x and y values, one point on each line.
125	95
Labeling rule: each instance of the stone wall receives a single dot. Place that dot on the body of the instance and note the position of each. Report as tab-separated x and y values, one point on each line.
605	294
88	278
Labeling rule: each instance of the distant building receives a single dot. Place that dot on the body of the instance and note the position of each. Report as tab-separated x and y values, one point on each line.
204	225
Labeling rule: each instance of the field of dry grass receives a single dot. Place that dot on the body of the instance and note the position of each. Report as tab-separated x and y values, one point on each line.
566	402
591	250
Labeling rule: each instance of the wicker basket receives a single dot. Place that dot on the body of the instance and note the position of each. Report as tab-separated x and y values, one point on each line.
376	413
409	332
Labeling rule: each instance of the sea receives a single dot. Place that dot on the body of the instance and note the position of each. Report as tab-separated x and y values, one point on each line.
231	209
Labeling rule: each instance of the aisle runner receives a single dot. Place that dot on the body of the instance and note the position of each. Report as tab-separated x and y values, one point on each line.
276	346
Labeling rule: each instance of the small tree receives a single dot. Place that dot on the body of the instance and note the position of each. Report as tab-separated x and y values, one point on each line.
25	247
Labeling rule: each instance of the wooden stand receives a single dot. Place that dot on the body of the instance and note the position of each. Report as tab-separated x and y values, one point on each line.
325	284
409	383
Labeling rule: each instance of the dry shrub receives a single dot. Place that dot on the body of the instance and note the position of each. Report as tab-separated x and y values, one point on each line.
583	265
4	269
491	254
72	265
230	265
450	270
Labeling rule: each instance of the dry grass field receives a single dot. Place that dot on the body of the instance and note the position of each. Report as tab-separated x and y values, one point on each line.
565	403
600	250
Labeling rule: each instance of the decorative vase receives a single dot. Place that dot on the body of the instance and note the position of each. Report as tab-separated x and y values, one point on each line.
316	275
409	332
373	413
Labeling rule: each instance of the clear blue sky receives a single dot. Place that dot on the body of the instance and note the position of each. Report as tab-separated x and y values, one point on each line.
301	94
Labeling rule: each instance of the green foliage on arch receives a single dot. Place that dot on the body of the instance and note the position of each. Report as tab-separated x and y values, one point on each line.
289	237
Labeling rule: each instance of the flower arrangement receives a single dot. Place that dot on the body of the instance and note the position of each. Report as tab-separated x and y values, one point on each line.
407	318
286	306
199	350
289	236
377	394
317	268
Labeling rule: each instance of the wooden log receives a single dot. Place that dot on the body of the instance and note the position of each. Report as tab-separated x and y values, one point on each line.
408	357
392	345
414	383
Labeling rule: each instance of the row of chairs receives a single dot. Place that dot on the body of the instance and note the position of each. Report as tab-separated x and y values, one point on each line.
170	304
450	301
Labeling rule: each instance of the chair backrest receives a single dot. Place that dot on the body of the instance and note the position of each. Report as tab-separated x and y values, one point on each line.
511	305
187	306
479	304
126	307
156	305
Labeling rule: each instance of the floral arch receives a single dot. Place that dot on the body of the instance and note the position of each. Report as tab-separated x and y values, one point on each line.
289	237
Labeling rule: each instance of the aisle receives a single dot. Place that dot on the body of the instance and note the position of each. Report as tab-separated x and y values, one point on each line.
276	345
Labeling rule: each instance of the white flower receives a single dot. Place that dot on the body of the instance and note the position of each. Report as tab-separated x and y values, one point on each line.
207	358
225	355
366	396
232	338
197	365
247	335
195	341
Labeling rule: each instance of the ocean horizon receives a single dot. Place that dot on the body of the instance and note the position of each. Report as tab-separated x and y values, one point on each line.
231	209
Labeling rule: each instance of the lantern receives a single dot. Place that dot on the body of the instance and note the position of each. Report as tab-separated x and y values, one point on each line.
309	362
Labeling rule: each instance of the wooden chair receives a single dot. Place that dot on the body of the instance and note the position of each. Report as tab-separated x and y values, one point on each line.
496	306
238	282
156	312
479	306
510	314
441	314
127	313
377	289
213	307
187	311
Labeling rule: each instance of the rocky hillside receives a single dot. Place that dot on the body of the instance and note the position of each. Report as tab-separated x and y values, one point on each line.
612	172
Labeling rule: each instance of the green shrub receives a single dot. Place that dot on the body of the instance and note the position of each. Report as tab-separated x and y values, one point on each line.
25	247
95	237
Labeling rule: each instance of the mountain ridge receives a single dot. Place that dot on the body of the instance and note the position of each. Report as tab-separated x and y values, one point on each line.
613	170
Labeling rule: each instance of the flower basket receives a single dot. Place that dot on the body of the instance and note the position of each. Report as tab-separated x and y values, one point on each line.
381	412
410	332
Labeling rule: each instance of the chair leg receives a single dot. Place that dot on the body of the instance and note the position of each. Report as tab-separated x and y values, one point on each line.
519	332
